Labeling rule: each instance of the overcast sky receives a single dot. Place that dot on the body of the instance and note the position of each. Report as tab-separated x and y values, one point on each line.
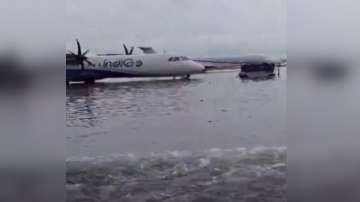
191	27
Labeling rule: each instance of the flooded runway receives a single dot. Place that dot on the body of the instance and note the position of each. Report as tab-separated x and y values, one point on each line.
214	175
212	138
215	110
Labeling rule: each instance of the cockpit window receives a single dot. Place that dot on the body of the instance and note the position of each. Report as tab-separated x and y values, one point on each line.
173	59
182	58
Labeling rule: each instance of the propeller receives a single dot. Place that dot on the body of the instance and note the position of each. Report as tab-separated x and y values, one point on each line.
127	51
81	57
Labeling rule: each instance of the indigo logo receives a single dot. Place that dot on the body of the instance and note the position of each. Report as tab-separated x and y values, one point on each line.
128	63
139	63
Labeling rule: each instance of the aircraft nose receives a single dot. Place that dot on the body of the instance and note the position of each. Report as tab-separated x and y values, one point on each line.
199	68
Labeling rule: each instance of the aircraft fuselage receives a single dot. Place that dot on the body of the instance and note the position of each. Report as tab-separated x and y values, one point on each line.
130	66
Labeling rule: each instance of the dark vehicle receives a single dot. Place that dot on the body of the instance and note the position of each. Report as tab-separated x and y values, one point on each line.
261	70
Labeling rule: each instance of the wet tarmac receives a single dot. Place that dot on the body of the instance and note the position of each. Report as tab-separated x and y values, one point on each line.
212	138
143	116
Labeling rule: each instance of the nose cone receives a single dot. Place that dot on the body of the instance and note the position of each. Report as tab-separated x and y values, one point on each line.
198	68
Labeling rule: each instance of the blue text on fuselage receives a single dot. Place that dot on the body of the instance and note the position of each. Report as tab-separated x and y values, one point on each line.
126	63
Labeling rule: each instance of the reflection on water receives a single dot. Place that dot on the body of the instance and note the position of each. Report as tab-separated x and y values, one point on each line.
89	105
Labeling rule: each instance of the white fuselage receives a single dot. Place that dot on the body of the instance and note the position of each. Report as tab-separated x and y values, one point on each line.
153	65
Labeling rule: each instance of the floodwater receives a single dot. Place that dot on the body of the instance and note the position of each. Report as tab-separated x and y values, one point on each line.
212	138
210	110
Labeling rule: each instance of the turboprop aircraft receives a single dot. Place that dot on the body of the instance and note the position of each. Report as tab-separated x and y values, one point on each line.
83	68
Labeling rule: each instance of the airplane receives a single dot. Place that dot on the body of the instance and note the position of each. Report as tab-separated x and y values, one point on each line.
83	68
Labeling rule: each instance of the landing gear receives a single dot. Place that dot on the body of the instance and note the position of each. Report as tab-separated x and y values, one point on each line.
186	77
278	72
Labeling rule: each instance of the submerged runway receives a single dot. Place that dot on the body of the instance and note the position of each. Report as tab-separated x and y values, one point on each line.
212	138
143	116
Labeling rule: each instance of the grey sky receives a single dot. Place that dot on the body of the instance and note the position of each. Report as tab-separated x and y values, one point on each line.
191	27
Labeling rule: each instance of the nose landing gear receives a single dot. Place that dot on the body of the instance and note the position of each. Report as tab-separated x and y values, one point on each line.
186	77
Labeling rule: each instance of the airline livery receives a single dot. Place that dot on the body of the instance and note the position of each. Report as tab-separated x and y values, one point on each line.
80	67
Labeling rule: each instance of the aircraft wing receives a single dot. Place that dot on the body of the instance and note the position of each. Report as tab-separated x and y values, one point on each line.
229	62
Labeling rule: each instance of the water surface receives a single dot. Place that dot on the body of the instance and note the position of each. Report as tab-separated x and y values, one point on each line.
214	110
212	138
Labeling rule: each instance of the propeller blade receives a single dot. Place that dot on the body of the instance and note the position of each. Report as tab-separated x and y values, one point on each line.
81	57
78	47
126	49
131	50
86	52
